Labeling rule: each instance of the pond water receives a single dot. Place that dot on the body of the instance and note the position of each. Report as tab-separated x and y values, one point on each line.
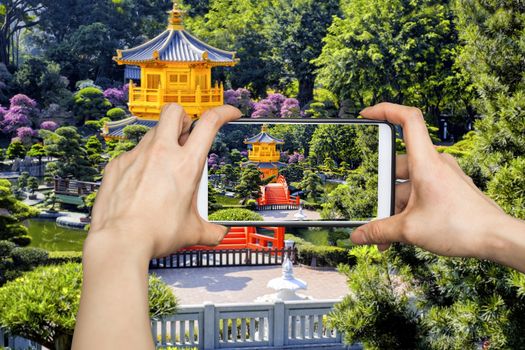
47	235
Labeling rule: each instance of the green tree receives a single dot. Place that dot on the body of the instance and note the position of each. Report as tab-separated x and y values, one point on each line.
41	80
335	142
37	151
42	304
400	51
23	180
116	114
231	174
94	150
312	186
65	143
235	214
250	183
296	34
90	104
13	214
135	133
16	149
32	184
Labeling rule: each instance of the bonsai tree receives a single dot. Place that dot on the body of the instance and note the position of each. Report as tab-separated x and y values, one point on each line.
16	149
50	201
37	151
22	181
32	185
12	214
250	184
42	304
135	133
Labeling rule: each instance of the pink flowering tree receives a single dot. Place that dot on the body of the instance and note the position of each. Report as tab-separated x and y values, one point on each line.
25	134
240	98
296	157
290	108
49	125
117	96
19	114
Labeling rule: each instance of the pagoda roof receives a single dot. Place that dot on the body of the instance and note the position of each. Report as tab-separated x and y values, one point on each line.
175	45
263	137
266	165
116	128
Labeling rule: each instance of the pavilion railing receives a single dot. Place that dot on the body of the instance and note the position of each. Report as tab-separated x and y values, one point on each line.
280	325
157	97
222	258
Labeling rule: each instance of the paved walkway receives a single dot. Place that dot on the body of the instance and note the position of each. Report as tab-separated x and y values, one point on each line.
244	284
288	215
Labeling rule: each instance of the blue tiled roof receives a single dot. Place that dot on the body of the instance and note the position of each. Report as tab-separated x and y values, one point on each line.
266	165
174	45
132	72
263	137
116	129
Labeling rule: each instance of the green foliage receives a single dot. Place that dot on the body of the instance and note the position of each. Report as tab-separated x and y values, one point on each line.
26	259
65	143
116	113
32	184
296	32
400	51
94	149
16	149
13	214
42	304
335	142
312	185
135	133
319	255
249	186
90	104
41	79
235	214
161	299
507	188
62	257
378	311
37	151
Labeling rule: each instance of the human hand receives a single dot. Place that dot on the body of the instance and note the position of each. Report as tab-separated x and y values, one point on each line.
439	208
148	196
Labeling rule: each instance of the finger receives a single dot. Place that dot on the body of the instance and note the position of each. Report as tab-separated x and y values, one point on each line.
415	133
186	127
382	231
402	167
212	234
403	191
383	247
202	136
170	124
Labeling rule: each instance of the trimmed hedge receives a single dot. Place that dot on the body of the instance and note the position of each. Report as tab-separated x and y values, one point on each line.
320	256
27	258
56	258
235	214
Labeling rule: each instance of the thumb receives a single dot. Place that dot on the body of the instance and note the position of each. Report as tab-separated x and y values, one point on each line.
381	232
212	234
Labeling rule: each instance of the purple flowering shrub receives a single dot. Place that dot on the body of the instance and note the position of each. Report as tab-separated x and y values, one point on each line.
213	161
117	96
49	125
240	98
25	134
19	113
277	106
296	157
290	108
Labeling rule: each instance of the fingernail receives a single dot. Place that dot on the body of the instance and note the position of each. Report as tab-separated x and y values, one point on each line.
358	237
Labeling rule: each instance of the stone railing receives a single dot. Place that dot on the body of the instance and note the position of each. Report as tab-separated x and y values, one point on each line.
282	325
16	343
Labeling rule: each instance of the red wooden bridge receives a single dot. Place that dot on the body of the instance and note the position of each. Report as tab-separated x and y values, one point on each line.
277	196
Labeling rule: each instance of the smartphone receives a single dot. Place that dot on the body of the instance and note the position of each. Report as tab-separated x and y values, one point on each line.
299	172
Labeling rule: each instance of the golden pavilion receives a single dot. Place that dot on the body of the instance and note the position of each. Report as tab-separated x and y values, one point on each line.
263	152
175	67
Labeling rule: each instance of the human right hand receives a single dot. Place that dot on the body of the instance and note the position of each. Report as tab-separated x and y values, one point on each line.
439	208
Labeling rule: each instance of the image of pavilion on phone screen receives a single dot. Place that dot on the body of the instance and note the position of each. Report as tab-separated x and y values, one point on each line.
290	172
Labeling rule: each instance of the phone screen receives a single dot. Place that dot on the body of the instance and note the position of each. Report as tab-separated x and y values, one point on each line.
290	172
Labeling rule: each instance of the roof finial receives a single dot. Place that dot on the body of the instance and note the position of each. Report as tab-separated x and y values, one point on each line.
175	19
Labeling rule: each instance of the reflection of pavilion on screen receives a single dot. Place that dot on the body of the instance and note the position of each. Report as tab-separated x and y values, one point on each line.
277	180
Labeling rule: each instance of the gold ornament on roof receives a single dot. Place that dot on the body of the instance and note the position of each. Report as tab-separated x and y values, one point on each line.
176	17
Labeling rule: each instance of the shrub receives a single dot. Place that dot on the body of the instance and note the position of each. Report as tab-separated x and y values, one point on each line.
42	305
235	214
56	258
6	248
323	256
22	241
116	113
28	258
334	236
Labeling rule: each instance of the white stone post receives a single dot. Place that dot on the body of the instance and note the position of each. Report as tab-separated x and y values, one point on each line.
278	323
209	326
